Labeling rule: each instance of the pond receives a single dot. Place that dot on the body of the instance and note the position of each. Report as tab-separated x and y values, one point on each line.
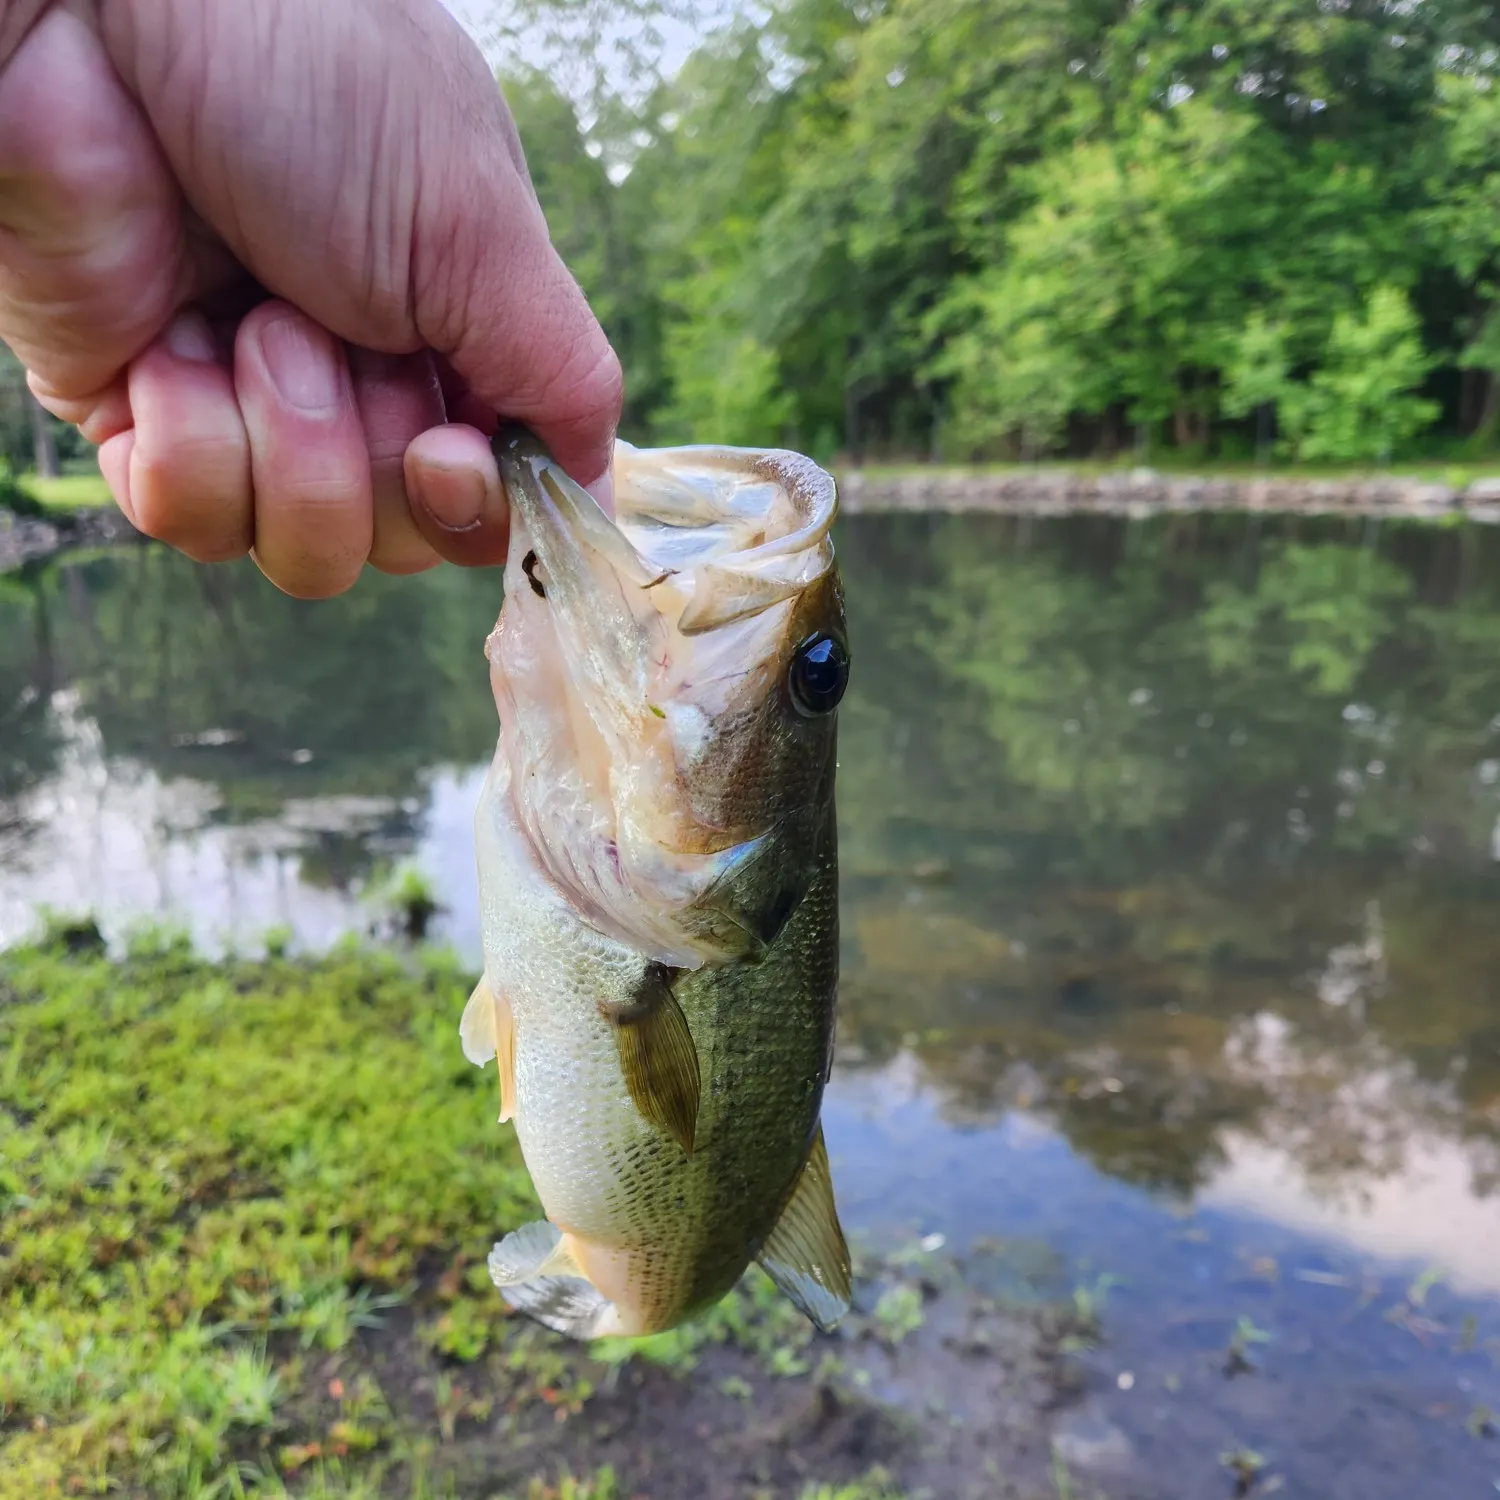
1171	856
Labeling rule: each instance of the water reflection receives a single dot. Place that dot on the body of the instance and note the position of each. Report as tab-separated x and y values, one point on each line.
1171	848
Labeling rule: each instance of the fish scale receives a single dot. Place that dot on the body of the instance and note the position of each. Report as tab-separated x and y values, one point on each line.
667	1111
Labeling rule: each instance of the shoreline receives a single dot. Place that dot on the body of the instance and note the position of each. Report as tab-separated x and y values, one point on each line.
1143	492
1134	493
29	539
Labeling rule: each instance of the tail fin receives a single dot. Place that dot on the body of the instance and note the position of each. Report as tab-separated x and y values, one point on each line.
537	1275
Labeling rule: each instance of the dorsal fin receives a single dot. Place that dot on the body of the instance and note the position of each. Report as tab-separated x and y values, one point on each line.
806	1254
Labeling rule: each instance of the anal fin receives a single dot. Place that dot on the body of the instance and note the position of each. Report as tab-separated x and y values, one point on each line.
488	1029
806	1254
538	1274
657	1055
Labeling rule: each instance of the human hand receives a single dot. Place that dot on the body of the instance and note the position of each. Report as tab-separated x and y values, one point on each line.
283	262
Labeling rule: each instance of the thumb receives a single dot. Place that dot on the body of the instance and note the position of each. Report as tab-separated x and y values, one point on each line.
492	295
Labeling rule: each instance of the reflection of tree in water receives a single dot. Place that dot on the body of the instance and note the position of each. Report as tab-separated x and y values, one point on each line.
211	674
1110	793
1114	794
29	742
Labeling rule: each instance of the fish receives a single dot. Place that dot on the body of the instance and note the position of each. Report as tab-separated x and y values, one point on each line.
657	853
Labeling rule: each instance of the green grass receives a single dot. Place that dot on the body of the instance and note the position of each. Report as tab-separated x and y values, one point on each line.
219	1180
212	1176
68	491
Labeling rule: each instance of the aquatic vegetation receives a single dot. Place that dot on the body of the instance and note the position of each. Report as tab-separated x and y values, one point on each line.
1246	1466
898	1313
408	898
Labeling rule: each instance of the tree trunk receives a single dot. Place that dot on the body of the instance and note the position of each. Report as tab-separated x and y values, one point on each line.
1469	382
1489	412
1109	433
43	440
1265	422
851	422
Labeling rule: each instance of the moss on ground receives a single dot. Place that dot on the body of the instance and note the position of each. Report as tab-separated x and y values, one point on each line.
209	1174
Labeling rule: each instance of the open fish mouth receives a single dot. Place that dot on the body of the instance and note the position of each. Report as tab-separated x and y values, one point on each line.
639	667
717	534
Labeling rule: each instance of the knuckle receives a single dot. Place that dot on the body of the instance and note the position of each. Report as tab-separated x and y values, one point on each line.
585	387
194	497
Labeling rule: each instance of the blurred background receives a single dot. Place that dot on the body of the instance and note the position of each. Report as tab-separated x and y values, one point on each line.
1166	1115
994	229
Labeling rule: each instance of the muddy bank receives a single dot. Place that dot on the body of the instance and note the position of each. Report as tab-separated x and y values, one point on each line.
1145	491
939	1386
25	539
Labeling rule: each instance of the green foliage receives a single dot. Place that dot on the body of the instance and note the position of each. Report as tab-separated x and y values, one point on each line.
1333	604
81	491
18	412
196	1159
993	226
1359	404
1258	370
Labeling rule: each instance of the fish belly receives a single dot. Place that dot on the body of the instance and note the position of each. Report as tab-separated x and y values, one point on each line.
640	1233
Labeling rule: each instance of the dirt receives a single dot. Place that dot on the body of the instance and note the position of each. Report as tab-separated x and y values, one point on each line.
932	1388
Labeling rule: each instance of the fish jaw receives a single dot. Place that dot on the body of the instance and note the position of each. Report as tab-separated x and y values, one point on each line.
640	672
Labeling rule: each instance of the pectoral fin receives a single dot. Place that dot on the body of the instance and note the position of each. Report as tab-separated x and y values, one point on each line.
806	1254
538	1274
488	1029
657	1055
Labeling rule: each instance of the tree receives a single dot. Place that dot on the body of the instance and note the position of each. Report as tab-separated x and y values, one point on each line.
1360	405
1257	377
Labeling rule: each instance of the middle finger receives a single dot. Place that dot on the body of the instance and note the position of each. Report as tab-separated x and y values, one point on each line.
313	509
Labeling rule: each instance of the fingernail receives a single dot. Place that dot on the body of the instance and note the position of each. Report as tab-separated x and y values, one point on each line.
189	337
603	490
301	363
454	498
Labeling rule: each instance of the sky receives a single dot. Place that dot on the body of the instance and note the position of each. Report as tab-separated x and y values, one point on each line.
493	23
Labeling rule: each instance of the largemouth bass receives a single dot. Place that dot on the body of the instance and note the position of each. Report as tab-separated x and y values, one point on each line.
658	878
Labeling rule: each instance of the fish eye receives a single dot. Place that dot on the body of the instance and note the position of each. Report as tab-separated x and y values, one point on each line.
818	675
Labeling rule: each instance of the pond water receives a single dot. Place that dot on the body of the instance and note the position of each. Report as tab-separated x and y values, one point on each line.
1171	903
